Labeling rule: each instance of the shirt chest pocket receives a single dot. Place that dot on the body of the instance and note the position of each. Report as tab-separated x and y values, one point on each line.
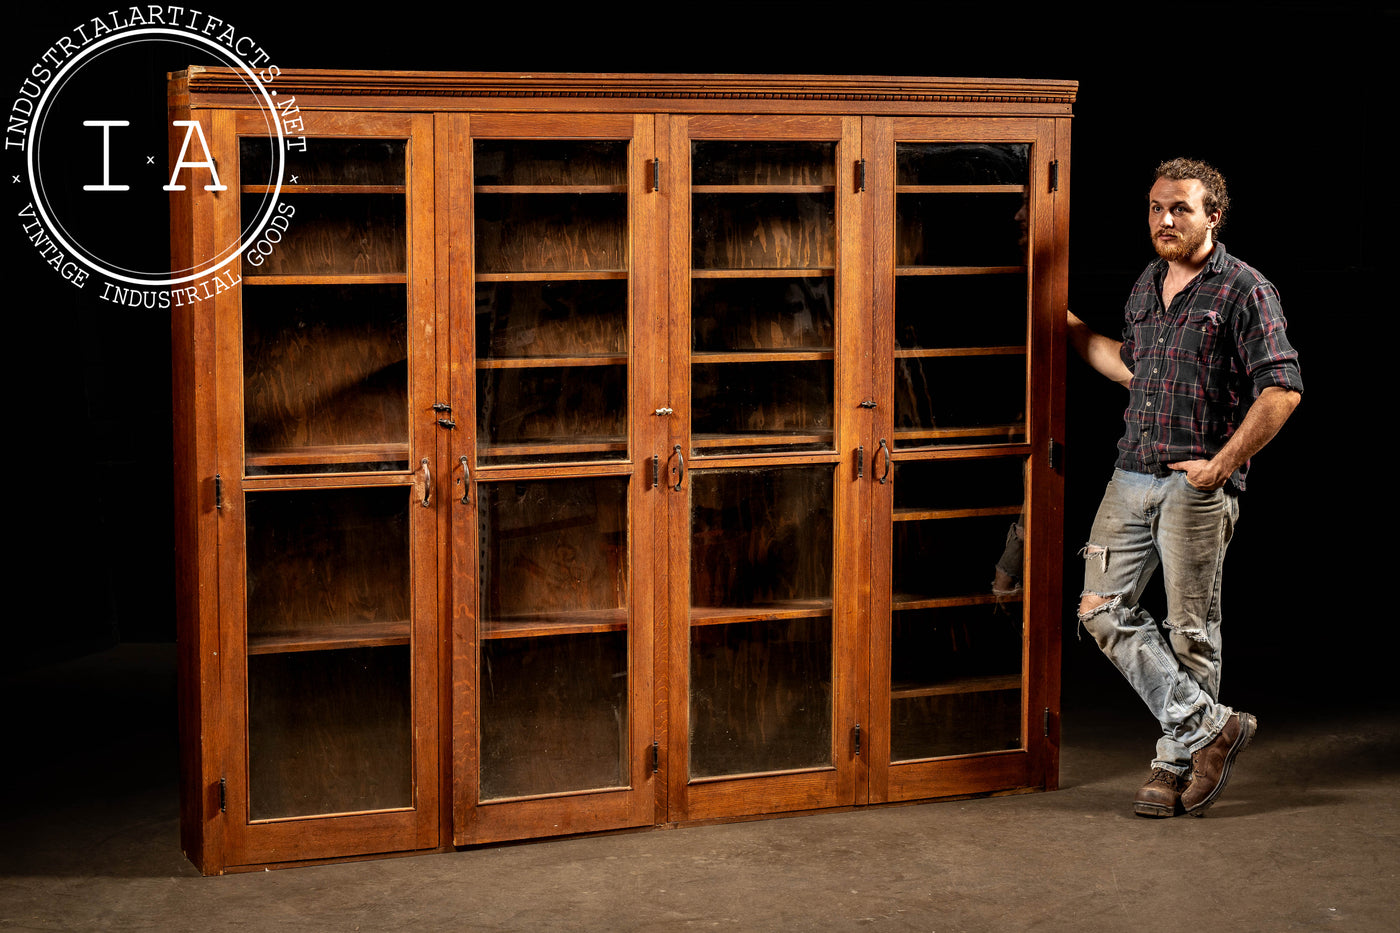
1199	351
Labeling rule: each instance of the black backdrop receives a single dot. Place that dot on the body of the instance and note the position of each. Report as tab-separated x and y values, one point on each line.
1287	99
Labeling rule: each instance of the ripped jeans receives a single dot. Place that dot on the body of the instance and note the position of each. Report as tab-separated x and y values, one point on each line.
1145	521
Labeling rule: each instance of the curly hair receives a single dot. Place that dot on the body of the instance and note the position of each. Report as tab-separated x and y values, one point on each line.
1216	197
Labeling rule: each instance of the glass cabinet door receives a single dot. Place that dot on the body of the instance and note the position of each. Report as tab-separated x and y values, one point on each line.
956	567
761	634
556	666
329	500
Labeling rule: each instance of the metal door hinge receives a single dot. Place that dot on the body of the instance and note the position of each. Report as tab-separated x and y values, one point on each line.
223	795
1047	722
218	491
655	756
655	470
1052	453
1055	175
860	461
655	174
856	731
860	174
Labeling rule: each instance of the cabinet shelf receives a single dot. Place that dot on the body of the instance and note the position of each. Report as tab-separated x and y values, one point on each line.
1012	430
549	189
906	602
325	189
958	270
759	440
554	447
788	609
372	278
571	275
957	685
331	453
539	362
959	189
762	189
762	356
771	273
932	352
570	622
921	515
331	637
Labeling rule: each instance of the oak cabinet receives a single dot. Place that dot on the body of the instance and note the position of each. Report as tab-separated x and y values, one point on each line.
592	452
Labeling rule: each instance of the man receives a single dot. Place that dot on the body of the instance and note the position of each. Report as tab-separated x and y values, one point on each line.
1211	378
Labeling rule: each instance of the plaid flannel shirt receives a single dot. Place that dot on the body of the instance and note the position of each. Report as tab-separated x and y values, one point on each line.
1198	365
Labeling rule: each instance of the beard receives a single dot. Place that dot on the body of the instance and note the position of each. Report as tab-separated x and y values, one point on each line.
1183	247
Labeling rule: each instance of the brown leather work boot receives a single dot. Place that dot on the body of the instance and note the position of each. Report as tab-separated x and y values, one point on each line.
1210	766
1161	795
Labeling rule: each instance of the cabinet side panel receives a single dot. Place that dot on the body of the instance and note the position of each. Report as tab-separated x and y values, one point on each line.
191	341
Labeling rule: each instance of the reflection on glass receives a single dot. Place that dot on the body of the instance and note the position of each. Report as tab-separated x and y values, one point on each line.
957	618
761	625
763	251
325	378
552	341
553	635
328	603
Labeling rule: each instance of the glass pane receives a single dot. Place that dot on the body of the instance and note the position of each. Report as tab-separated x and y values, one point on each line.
550	162
761	624
960	400
552	300
762	163
549	232
957	619
325	378
329	689
553	634
960	230
327	161
360	234
763	230
551	370
962	163
763	250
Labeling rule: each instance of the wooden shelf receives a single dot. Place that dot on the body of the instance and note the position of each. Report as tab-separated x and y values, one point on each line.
543	362
325	189
331	637
762	356
921	515
791	273
558	447
956	686
958	270
728	615
549	189
576	622
338	453
959	189
377	278
905	602
762	189
1015	429
932	352
758	440
573	275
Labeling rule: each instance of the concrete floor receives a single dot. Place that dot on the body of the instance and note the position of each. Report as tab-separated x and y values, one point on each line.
1306	838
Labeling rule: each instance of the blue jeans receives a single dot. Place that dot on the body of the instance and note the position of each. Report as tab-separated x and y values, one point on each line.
1145	521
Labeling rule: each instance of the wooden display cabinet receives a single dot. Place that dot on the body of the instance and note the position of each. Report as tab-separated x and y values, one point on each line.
607	451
